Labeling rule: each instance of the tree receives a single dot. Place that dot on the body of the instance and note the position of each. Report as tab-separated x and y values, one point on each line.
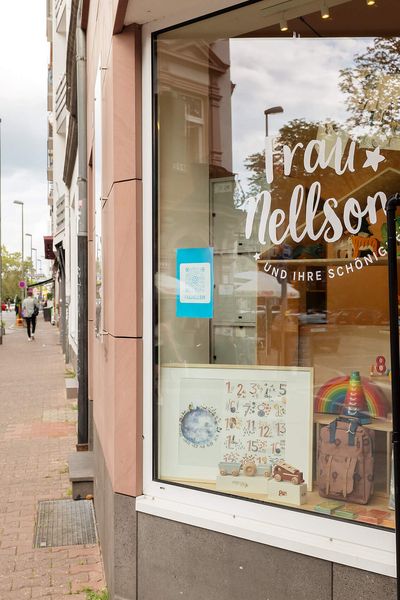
255	164
12	273
298	130
372	87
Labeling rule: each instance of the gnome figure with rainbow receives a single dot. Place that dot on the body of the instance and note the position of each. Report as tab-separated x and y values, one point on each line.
355	404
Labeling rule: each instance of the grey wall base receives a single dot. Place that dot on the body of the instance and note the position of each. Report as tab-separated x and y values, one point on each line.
181	561
73	359
117	526
150	558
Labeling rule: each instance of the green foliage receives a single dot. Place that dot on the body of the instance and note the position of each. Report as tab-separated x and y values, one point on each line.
255	164
372	87
95	595
12	273
298	130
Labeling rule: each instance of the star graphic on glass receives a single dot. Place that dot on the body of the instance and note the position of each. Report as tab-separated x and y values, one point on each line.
257	256
374	157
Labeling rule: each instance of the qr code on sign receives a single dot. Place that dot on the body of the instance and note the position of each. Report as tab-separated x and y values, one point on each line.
194	283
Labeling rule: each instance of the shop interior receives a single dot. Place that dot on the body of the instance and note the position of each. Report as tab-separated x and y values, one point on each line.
290	294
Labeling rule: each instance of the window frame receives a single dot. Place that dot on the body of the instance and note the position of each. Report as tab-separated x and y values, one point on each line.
357	545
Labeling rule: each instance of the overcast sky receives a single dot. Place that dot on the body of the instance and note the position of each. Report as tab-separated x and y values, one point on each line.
23	105
300	75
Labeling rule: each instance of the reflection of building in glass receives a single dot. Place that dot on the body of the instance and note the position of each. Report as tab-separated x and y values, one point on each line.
194	89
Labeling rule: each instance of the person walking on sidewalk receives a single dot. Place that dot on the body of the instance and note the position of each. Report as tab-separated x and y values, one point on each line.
30	310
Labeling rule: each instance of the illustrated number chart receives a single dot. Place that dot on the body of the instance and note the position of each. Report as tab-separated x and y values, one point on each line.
234	415
254	421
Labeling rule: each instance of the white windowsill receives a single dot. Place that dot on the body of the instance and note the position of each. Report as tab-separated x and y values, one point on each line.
346	543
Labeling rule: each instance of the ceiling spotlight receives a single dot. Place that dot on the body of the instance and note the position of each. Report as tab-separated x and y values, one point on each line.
370	2
325	11
283	25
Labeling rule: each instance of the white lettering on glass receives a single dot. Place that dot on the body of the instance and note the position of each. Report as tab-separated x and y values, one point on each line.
280	225
332	227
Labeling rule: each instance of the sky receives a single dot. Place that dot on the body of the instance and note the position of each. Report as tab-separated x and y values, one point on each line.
24	55
267	72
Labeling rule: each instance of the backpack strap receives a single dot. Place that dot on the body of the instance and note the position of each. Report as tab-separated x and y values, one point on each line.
353	424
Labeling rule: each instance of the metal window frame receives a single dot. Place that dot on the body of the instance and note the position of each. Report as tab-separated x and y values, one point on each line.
360	546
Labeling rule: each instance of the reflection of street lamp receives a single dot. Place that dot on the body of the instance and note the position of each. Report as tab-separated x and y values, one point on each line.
21	204
274	110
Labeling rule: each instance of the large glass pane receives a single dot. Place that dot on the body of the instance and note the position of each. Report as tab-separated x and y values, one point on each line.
277	152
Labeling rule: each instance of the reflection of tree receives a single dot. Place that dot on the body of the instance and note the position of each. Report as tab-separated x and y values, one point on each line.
255	164
293	132
372	87
372	90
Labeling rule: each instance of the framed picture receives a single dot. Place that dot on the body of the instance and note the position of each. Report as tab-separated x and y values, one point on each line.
233	414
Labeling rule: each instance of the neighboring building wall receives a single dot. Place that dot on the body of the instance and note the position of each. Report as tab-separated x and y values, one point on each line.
58	117
115	364
64	207
72	269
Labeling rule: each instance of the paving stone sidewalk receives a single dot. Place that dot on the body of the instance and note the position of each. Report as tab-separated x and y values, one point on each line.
37	432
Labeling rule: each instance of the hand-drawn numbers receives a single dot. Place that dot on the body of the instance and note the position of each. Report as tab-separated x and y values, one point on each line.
255	421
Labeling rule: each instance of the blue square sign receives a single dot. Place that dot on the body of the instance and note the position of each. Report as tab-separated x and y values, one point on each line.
195	277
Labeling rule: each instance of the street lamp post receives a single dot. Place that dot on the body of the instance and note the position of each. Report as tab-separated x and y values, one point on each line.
35	250
30	236
30	255
43	264
21	204
274	110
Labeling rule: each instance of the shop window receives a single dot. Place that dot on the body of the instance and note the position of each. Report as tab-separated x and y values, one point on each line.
277	152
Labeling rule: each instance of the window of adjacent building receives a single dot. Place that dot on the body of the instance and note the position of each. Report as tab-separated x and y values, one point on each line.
98	204
278	148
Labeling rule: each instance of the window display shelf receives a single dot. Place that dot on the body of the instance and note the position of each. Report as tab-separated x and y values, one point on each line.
376	425
378	502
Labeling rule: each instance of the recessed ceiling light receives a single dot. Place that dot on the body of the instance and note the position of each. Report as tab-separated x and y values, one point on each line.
325	11
283	25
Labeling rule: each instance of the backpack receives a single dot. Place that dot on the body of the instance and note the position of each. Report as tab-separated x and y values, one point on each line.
35	310
346	461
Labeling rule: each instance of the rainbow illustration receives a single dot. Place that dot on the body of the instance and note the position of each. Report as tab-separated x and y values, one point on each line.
332	394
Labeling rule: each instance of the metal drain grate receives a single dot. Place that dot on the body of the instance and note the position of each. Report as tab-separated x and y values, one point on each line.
65	523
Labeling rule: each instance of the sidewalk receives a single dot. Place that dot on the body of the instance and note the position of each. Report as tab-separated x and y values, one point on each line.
37	432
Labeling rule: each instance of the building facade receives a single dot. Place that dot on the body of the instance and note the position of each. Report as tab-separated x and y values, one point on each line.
239	161
62	173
